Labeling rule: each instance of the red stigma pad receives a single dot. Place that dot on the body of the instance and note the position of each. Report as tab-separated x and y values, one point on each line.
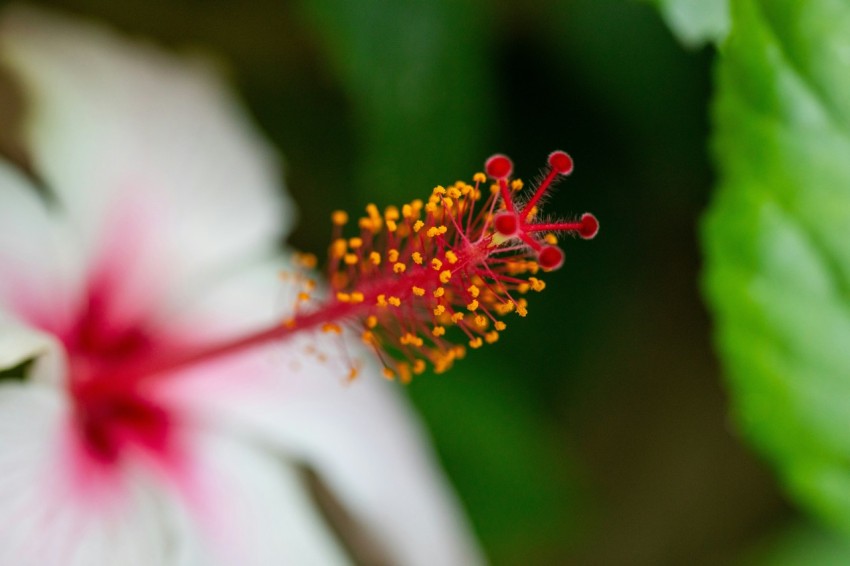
561	162
506	224
550	258
589	226
499	167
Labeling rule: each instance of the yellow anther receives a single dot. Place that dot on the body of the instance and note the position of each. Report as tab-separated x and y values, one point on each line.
439	190
355	243
453	193
368	338
516	184
523	288
476	343
339	217
388	373
407	211
417	258
433	231
391	213
343	297
448	203
531	213
439	292
505	308
445	276
499	325
307	261
350	259
381	300
330	327
404	372
412	339
451	257
536	284
392	255
457	317
391	226
481	321
418	225
419	291
371	321
375	258
431	207
357	297
551	239
479	178
494	189
394	301
474	291
303	296
418	367
439	309
399	267
491	337
522	311
338	248
439	331
436	264
473	305
372	211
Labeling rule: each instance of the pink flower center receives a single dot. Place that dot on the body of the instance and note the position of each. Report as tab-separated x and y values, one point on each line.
111	414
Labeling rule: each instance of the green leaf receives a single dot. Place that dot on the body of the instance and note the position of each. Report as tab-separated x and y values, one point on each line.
777	240
800	545
696	22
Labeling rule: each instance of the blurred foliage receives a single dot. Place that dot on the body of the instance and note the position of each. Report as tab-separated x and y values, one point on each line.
800	545
696	22
778	270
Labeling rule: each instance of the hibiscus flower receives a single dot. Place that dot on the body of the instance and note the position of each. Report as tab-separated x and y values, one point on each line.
150	226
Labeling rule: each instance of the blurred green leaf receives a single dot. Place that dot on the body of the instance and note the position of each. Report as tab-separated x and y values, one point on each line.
696	22
418	76
800	545
777	239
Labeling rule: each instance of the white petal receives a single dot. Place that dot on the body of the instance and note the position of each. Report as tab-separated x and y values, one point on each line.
39	277
244	507
157	166
46	518
362	438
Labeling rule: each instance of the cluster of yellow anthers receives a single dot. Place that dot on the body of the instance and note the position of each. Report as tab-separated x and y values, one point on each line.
420	279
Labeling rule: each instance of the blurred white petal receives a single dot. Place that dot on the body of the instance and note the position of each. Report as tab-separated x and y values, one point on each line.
46	520
40	273
153	161
362	439
246	507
